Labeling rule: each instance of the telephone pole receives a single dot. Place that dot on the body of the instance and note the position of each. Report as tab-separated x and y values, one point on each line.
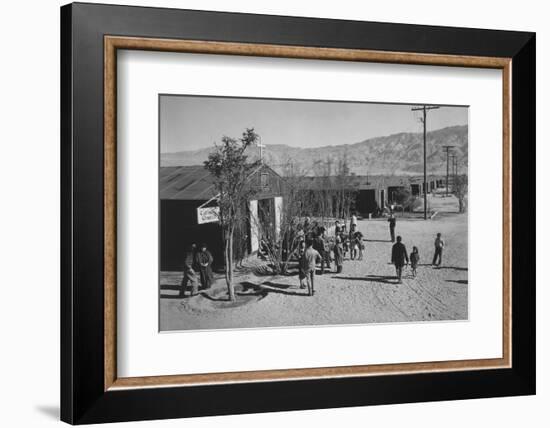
424	109
456	167
453	170
447	148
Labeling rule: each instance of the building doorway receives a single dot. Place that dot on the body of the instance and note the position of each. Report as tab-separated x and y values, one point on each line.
365	202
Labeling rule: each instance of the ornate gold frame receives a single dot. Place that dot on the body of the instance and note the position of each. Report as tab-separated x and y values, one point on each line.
113	43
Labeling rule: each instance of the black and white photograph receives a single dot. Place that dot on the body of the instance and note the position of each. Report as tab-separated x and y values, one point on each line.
275	214
290	212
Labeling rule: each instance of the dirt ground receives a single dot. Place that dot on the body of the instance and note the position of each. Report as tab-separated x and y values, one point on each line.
365	292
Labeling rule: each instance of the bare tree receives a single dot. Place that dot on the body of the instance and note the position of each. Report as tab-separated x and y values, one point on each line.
296	206
326	195
231	170
344	193
332	194
323	170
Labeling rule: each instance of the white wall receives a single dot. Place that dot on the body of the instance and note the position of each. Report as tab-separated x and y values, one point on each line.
278	203
29	232
254	232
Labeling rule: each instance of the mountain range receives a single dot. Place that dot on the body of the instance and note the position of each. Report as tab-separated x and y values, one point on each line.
399	154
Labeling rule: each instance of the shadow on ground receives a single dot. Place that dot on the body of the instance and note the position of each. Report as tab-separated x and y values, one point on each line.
272	287
457	281
444	267
382	279
213	299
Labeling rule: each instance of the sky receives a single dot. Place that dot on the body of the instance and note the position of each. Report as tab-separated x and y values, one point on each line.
191	122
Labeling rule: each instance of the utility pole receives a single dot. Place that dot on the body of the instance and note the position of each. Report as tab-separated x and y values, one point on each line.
453	170
424	110
447	148
456	168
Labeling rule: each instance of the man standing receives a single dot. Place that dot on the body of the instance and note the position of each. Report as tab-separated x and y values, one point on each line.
321	245
190	278
352	243
392	227
439	244
338	255
300	251
399	258
308	262
203	261
326	252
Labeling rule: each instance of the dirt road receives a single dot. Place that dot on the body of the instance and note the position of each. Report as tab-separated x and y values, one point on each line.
365	292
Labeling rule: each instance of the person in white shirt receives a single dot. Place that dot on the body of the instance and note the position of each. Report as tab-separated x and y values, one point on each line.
353	221
308	263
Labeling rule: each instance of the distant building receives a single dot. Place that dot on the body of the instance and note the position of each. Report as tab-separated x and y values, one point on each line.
371	193
188	212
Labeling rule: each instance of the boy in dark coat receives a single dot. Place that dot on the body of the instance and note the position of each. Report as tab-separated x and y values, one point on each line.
439	244
320	244
203	261
399	258
391	220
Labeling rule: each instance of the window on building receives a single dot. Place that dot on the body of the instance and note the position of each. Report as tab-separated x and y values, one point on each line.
264	180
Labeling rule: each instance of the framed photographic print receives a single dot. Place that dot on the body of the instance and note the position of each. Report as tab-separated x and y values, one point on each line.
266	213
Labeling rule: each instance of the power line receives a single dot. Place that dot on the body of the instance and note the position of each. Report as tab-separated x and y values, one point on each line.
454	164
424	109
447	148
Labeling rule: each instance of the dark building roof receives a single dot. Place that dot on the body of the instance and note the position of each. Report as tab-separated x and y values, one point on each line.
359	182
186	182
196	183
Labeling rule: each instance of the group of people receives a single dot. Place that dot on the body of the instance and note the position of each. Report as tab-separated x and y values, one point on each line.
197	269
400	259
351	241
399	255
314	246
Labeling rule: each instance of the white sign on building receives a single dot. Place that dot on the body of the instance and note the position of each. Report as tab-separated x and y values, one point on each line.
208	214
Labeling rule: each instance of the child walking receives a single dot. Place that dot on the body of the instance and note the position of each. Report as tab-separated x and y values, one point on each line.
358	241
338	255
415	258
